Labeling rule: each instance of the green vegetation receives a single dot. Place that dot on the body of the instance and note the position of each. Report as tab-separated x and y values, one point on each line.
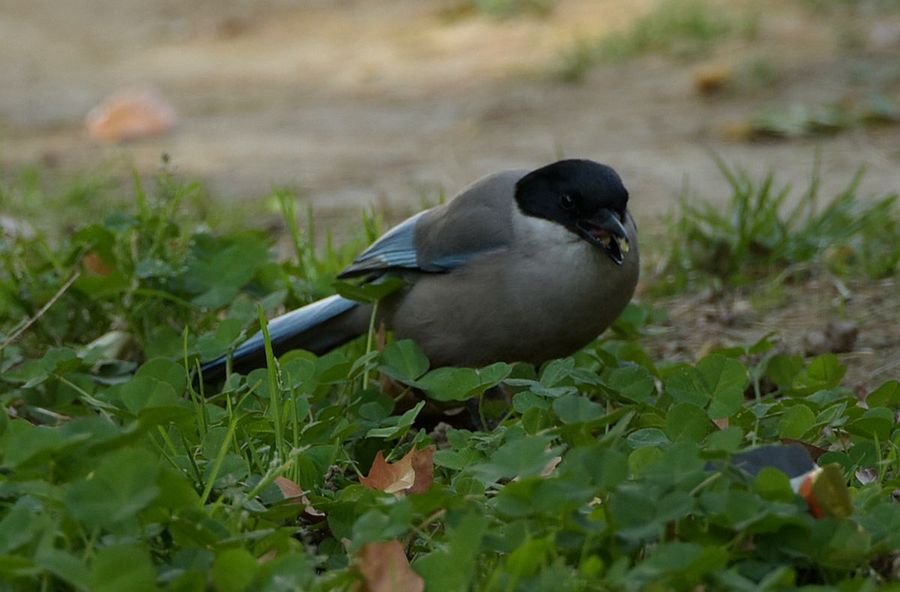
799	120
755	234
679	28
844	6
757	74
675	27
114	480
501	8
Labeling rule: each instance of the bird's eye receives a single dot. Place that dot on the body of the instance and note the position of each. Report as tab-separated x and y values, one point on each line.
566	201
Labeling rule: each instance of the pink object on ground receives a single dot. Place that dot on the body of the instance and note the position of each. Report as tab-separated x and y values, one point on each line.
130	115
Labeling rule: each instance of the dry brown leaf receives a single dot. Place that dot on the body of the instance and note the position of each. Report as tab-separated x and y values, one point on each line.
385	568
289	489
130	115
548	468
391	478
95	265
423	465
413	473
293	494
712	78
551	466
381	336
738	131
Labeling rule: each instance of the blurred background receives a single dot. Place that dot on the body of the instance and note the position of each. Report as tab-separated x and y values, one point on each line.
356	102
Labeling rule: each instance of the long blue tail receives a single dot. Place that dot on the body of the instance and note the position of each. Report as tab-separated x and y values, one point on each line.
317	327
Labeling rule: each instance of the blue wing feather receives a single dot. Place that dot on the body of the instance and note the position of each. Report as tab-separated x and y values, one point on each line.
397	248
446	237
296	322
296	329
284	331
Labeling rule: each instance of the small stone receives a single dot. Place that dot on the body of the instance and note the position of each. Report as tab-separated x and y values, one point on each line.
740	313
885	36
439	435
815	343
866	476
14	228
838	337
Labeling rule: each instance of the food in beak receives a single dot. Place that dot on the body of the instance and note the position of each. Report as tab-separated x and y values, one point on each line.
606	232
605	238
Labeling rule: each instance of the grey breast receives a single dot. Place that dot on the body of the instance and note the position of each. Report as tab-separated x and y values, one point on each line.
522	295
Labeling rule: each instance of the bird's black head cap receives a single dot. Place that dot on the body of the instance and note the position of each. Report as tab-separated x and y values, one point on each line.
569	190
585	197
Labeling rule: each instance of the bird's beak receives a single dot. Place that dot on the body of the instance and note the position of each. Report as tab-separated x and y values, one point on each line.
606	232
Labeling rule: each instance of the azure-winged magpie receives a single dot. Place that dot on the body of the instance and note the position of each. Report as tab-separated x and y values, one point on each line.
519	266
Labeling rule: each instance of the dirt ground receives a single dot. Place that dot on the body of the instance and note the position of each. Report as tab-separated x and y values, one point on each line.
372	101
388	102
858	320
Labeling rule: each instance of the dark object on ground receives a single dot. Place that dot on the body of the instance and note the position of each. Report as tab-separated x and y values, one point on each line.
822	488
838	337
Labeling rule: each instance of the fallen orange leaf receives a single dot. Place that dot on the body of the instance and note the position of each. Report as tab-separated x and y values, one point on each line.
129	115
414	473
385	568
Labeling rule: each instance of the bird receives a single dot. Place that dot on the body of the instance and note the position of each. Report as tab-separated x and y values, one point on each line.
520	266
